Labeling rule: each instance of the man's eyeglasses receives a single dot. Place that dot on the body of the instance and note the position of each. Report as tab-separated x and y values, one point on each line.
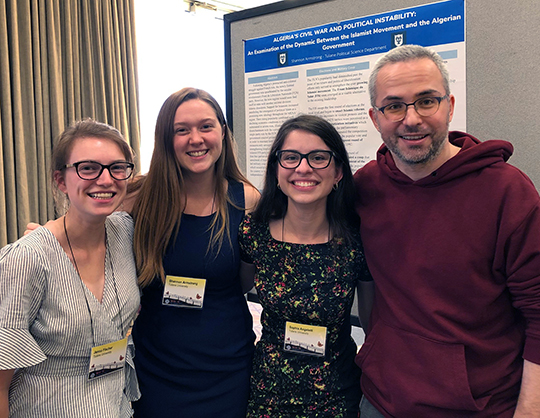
425	106
317	159
91	170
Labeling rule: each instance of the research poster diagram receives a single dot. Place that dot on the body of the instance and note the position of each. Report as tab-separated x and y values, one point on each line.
324	71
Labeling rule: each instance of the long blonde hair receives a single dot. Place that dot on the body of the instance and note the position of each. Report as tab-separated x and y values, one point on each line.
161	198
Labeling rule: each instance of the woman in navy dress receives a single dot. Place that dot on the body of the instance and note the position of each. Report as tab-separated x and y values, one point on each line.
193	336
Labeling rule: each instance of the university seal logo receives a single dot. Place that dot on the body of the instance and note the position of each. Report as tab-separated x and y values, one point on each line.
398	39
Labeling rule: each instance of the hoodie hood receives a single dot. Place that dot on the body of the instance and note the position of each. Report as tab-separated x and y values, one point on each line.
473	156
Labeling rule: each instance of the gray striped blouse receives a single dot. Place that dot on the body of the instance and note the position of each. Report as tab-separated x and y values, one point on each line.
46	332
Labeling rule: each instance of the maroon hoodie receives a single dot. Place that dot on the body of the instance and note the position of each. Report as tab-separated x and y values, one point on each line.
455	257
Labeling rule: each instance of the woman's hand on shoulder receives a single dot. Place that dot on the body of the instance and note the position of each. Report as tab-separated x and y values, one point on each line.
252	196
31	226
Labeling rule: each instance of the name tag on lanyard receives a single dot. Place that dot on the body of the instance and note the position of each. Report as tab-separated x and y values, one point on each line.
107	358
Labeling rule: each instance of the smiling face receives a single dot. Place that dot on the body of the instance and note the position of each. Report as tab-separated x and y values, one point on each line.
198	137
92	199
416	140
305	185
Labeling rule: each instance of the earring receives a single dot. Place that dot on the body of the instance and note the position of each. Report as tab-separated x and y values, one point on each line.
335	186
278	186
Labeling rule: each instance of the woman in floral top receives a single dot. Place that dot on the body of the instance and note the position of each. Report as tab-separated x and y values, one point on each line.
302	248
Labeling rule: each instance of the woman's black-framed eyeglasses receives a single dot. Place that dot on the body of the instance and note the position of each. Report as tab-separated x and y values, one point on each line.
91	170
317	159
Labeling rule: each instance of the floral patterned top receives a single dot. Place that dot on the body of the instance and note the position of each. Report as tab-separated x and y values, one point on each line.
311	284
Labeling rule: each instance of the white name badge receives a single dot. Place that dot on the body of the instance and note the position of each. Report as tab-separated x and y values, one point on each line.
305	339
107	358
184	292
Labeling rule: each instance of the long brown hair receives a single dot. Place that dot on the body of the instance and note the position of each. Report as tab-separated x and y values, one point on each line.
161	198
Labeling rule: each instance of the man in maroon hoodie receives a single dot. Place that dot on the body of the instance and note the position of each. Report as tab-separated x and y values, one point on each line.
452	238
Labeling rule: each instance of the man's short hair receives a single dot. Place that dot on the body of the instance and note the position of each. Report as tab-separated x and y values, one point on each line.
407	53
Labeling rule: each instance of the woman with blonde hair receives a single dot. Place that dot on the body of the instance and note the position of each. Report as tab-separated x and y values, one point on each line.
194	335
68	290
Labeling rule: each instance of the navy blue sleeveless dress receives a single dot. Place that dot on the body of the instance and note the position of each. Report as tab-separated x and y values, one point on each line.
196	363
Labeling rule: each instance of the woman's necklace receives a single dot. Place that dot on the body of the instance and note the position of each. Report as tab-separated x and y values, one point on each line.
82	285
283	230
71	249
81	281
205	206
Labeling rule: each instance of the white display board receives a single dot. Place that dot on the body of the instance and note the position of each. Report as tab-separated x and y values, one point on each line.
324	70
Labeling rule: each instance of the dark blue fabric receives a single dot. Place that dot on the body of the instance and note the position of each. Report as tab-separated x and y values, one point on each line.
197	362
